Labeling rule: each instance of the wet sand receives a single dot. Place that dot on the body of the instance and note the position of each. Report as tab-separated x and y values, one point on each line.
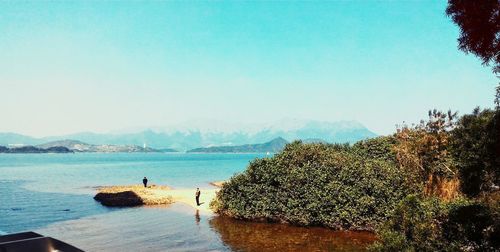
187	196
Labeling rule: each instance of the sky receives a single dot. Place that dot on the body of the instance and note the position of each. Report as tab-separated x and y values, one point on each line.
76	66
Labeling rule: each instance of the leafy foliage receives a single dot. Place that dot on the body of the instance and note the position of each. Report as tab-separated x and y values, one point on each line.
422	151
365	186
414	226
479	28
378	148
432	225
336	186
476	147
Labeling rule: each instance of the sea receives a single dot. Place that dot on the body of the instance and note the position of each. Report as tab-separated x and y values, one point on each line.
52	194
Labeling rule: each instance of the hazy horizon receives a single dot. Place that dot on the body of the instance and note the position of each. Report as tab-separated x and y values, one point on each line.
74	67
213	126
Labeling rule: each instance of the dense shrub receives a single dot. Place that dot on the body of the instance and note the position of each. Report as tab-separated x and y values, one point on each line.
413	226
431	225
382	147
365	185
422	151
316	184
476	148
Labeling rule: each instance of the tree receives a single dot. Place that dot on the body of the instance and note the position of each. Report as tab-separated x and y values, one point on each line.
422	151
479	22
475	146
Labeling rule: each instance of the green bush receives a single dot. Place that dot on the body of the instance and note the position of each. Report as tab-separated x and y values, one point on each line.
381	147
475	145
336	186
414	226
433	225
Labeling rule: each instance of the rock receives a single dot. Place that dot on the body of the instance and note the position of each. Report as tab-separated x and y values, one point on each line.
127	198
134	195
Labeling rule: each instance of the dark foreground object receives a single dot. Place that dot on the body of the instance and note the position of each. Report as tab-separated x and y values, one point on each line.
33	242
126	198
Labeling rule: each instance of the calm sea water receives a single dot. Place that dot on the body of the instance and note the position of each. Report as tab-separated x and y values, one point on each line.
52	194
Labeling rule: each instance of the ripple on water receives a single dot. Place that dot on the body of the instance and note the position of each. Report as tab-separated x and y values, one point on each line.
180	228
25	210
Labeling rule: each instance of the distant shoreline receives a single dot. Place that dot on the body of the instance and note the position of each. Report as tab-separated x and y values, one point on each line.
138	152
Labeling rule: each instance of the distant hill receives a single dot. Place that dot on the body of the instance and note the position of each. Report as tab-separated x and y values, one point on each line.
186	138
79	146
33	149
70	144
14	138
274	145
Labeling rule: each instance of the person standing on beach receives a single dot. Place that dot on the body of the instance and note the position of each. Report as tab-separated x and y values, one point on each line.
197	196
145	182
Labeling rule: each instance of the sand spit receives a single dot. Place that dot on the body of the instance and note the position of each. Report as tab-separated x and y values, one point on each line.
137	195
133	195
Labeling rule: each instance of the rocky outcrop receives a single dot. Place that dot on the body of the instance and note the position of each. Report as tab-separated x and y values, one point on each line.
134	195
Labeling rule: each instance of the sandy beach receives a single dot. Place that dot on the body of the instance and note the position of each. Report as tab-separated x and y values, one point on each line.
161	194
186	196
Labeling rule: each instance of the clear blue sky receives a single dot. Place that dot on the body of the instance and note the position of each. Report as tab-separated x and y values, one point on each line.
90	66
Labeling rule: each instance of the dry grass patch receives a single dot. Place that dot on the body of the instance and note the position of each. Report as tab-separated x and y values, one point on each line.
133	195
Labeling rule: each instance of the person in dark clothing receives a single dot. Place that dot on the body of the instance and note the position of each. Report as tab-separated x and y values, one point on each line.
145	182
197	196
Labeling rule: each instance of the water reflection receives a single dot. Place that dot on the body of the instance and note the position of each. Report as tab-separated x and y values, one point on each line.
197	217
250	236
139	229
172	229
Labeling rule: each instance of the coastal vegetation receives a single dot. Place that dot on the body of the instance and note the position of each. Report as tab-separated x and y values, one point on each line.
424	182
431	186
336	186
431	224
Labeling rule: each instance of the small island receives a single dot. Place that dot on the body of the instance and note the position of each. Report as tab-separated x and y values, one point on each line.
33	149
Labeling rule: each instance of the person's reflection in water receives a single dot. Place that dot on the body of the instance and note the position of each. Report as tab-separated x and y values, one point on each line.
197	217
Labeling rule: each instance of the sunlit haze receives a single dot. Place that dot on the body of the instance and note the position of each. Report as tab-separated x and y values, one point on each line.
85	66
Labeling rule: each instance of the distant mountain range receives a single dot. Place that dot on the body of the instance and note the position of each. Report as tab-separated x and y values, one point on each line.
273	146
183	139
78	146
67	146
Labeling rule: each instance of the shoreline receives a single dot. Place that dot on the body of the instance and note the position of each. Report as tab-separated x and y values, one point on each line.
112	196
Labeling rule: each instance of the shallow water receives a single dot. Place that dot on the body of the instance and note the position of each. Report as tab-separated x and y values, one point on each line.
32	198
252	236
